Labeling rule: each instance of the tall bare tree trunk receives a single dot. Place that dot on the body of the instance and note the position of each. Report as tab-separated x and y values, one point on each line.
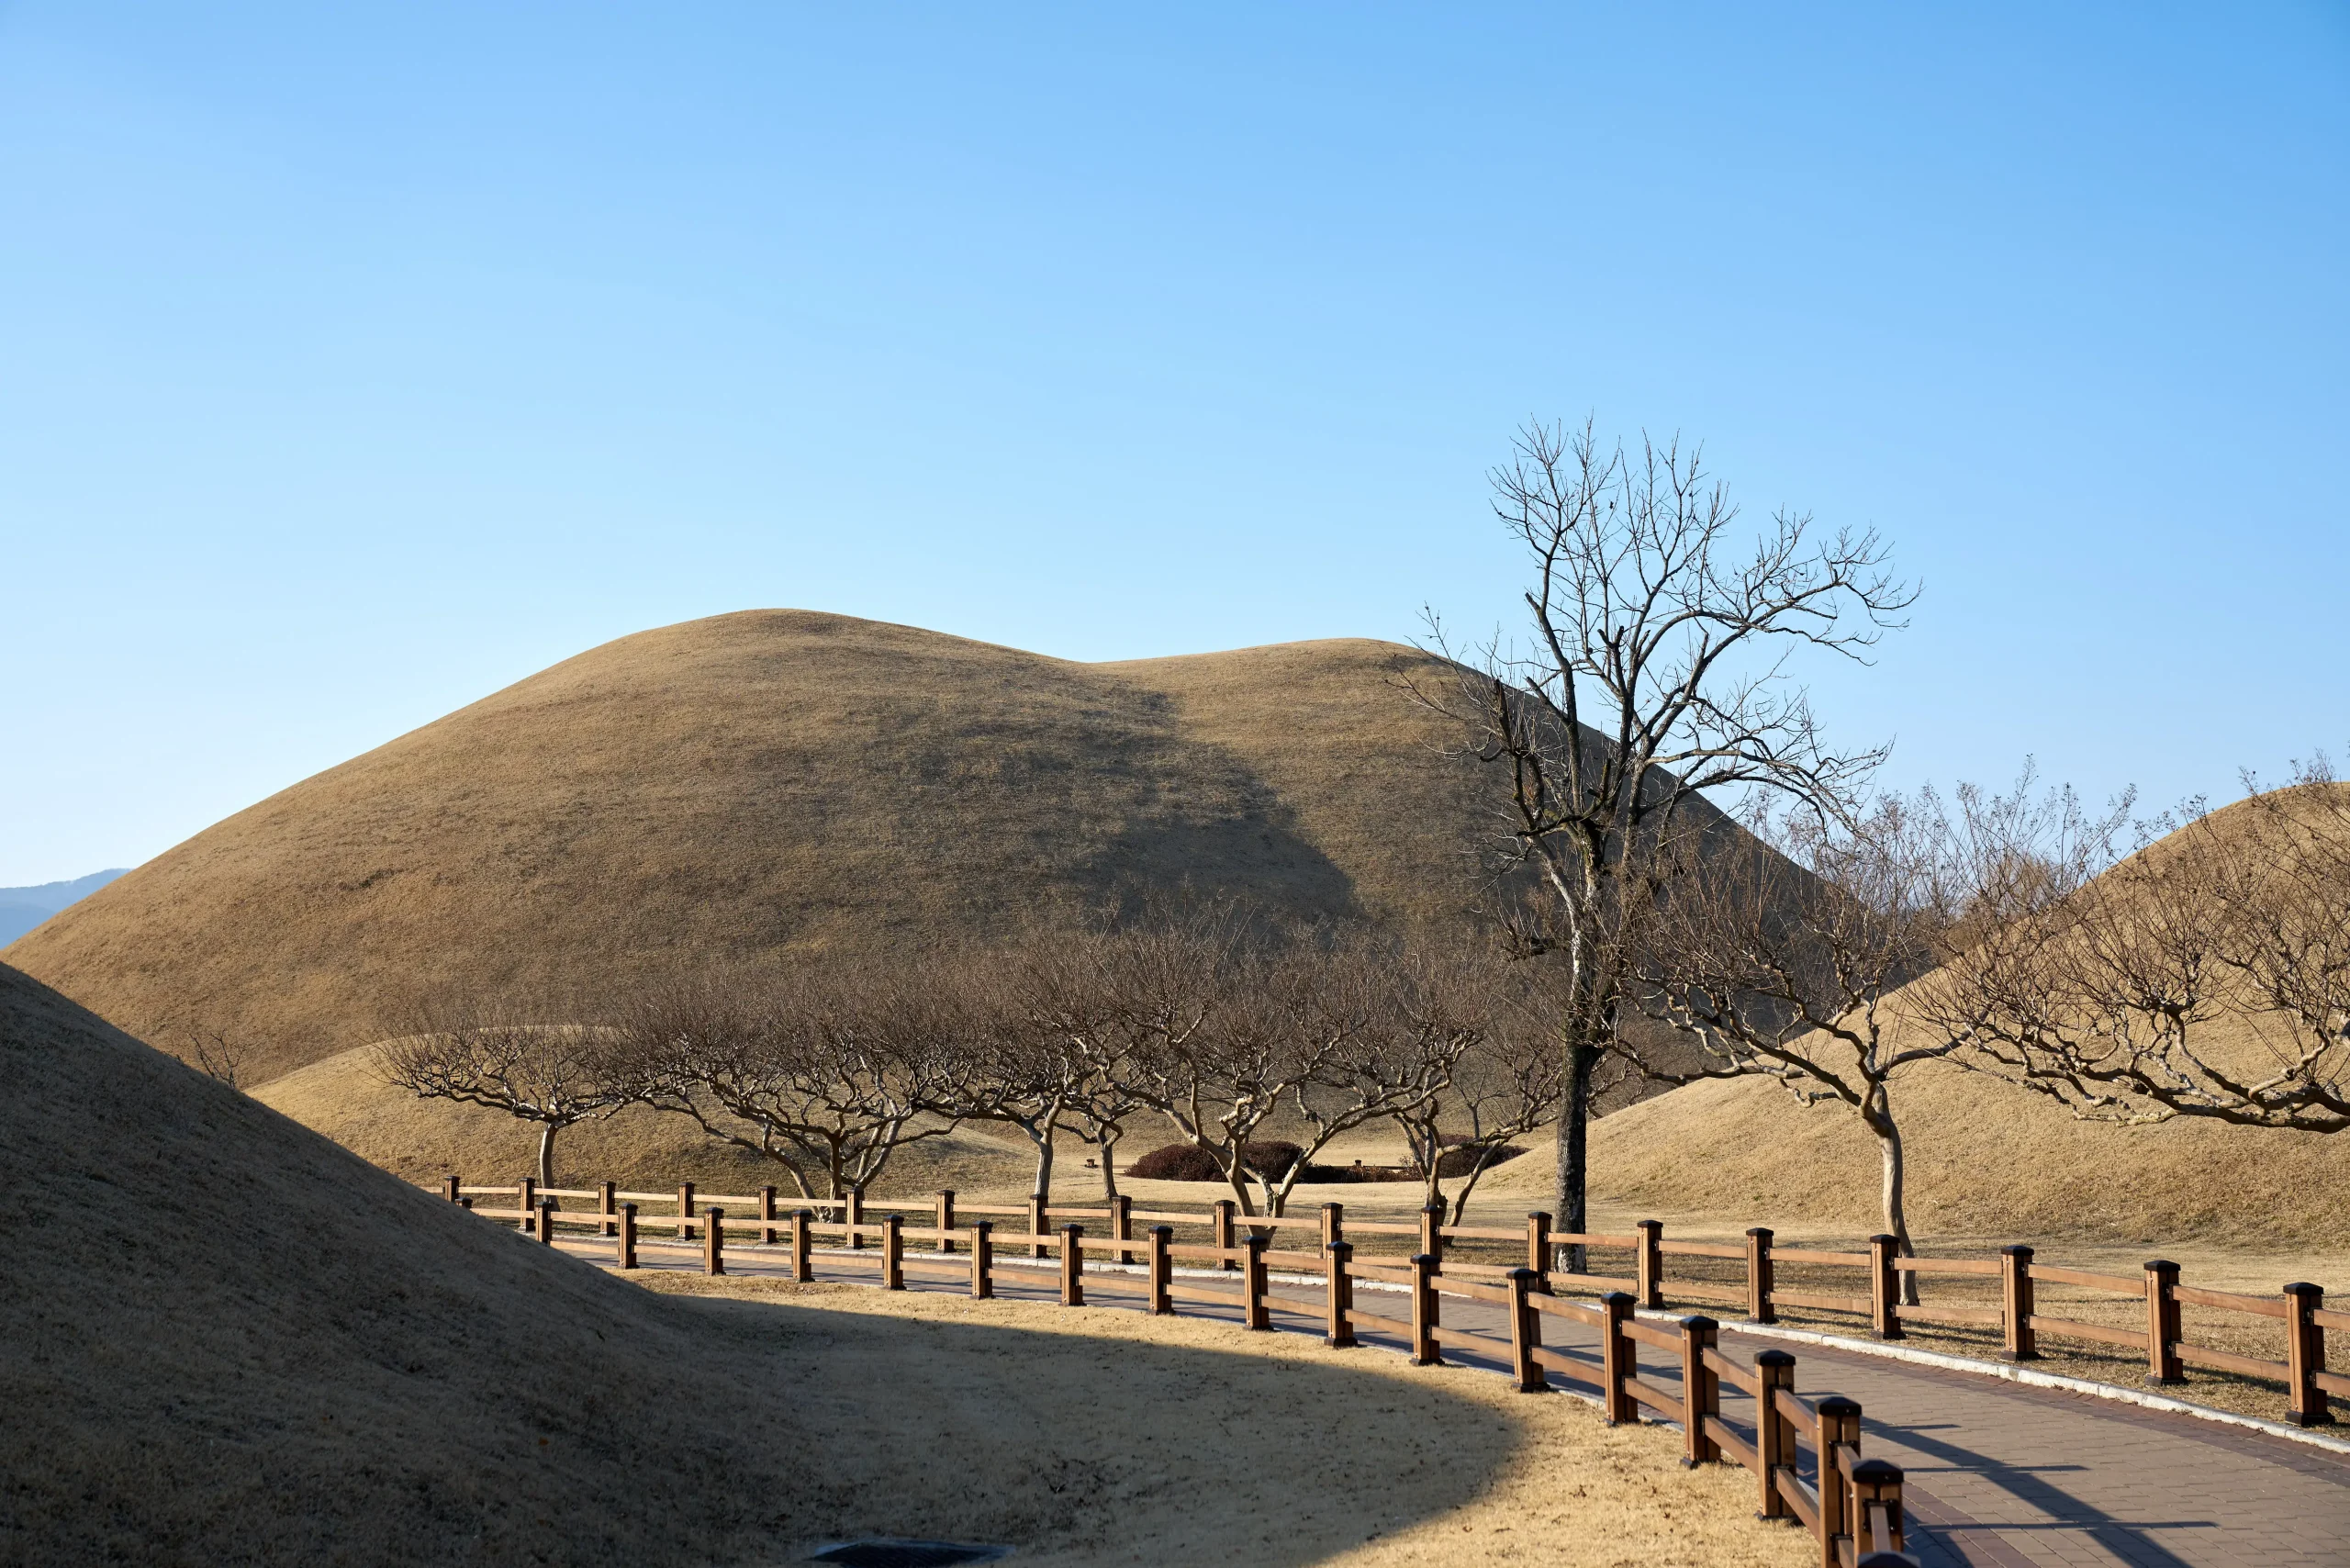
1877	1115
1108	1144
1574	1144
1044	1188
546	1154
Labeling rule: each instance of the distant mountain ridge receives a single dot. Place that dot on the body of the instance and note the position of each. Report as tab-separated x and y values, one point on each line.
21	908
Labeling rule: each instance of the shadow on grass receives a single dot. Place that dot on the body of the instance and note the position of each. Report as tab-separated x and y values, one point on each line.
1093	1436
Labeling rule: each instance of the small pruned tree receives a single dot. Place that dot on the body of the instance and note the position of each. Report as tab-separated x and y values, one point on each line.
826	1074
1507	1085
1781	956
1652	678
2205	976
1220	1029
554	1075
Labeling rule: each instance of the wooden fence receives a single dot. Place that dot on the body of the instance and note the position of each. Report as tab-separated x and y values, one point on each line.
1850	1504
2297	1311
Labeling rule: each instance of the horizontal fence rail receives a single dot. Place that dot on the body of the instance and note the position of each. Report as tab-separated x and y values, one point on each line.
2296	1315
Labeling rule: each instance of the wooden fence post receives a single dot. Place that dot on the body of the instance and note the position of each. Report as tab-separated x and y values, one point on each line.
527	1203
982	1260
545	1221
1839	1426
1221	1219
767	1216
628	1236
449	1189
2162	1323
1072	1265
1036	1246
2305	1354
1616	1357
714	1242
1525	1333
1537	1250
1256	1313
943	1218
1424	1310
685	1210
803	1265
853	1215
606	1199
2015	1304
1121	1227
465	1203
1885	1288
1162	1270
1759	1308
894	1252
1432	1231
1701	1392
1876	1484
1774	1445
1650	1271
1337	1328
1334	1225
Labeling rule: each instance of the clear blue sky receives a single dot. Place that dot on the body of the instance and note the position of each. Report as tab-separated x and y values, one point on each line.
358	360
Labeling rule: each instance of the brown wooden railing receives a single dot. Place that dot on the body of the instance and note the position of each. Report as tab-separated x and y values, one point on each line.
1851	1506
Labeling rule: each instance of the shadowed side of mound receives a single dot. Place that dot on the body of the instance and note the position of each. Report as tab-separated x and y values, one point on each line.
231	1341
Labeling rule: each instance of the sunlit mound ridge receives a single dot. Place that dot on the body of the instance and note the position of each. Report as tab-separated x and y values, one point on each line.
776	783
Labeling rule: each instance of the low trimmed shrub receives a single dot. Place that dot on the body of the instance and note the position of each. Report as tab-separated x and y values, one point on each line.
1182	1162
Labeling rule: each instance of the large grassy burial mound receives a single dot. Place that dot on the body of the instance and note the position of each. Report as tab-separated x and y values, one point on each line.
775	781
231	1341
1986	1159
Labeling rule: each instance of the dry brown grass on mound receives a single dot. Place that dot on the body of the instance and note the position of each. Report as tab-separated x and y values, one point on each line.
1100	1436
232	1342
775	781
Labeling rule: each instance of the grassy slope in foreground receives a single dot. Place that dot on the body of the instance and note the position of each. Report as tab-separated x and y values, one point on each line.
235	1342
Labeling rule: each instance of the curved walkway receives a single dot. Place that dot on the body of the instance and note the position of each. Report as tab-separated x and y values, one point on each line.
1998	1475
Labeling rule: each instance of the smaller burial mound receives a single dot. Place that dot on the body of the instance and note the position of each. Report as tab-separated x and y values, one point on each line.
231	1341
423	1140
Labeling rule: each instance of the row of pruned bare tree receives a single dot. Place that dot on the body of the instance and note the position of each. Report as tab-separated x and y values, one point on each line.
1223	1030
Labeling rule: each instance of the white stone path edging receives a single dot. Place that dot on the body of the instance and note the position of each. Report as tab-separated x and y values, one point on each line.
2004	1370
2007	1372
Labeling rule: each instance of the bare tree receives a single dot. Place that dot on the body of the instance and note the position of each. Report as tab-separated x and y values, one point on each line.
1220	1036
211	1050
1782	956
1506	1086
1655	677
553	1074
827	1076
2207	975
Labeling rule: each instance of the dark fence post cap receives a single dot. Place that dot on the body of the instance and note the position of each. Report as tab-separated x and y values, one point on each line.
1612	1297
1167	1230
2161	1266
1876	1471
1837	1405
1763	1231
1774	1359
2303	1287
1522	1274
1700	1321
2018	1250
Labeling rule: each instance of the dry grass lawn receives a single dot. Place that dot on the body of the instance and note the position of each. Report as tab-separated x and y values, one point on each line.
1100	1436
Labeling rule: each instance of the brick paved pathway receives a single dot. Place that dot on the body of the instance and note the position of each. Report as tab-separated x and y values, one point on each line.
1998	1475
